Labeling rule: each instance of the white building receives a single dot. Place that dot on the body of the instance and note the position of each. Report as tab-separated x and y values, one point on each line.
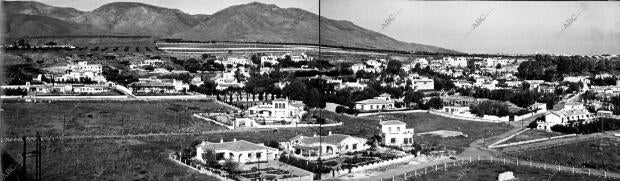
153	85
278	110
458	62
273	60
422	84
82	70
329	146
395	133
239	151
382	102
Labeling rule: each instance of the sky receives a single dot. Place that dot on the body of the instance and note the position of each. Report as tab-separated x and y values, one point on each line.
512	27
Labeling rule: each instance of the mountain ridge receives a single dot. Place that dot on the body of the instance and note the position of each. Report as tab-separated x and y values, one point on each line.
244	22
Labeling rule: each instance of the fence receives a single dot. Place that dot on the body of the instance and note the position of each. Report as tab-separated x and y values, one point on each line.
411	175
529	141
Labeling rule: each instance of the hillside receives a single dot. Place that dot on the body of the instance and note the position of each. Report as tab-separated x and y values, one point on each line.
245	22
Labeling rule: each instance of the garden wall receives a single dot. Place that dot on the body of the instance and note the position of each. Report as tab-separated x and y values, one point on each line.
378	165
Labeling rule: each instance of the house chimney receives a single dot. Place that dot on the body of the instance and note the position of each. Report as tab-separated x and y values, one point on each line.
329	133
221	140
235	140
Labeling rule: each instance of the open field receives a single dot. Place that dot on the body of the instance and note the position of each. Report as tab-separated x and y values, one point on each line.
490	171
603	153
425	122
532	134
107	159
105	117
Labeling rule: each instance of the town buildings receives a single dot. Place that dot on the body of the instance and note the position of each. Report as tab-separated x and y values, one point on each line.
571	114
161	86
82	72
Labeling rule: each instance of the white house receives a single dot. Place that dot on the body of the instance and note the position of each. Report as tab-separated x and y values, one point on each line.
328	146
458	62
278	110
422	84
422	61
239	151
395	133
565	117
153	85
382	102
269	59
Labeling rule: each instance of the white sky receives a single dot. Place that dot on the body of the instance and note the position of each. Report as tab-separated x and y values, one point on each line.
512	27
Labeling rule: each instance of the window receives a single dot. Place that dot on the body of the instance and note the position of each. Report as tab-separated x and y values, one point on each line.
389	129
346	147
355	146
393	140
398	129
258	155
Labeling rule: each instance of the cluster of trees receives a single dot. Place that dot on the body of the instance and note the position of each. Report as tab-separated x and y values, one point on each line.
587	128
604	81
118	76
193	65
553	68
19	74
15	92
522	98
495	108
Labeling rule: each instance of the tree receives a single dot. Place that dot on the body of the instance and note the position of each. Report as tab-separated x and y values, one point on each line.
435	103
498	66
315	99
210	158
231	166
393	66
413	97
296	90
149	68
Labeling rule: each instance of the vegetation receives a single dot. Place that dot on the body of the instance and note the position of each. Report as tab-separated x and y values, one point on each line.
100	117
588	128
595	154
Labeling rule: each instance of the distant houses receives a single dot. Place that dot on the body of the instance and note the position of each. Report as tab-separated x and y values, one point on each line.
571	114
158	86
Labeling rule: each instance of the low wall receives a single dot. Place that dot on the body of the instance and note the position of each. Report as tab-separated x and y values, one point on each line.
227	105
392	112
531	141
507	138
213	121
203	171
378	165
295	125
174	97
465	117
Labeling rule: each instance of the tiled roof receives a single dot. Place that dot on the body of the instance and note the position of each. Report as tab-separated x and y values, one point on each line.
334	139
241	145
372	101
391	122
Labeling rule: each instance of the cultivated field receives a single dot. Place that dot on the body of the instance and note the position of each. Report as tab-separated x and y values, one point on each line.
490	171
425	122
603	153
106	117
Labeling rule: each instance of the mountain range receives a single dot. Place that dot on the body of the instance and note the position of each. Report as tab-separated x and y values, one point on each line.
245	22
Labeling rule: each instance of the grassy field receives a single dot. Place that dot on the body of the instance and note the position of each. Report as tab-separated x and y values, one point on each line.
490	171
532	134
107	159
105	117
598	154
424	122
